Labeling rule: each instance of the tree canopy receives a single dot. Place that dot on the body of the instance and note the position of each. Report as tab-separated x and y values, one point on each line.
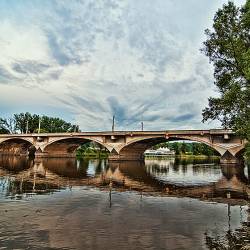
228	48
26	122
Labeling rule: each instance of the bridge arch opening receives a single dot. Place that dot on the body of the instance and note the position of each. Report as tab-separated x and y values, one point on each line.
135	150
17	147
67	147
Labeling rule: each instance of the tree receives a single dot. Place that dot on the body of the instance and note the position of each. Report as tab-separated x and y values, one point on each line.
185	147
176	146
3	129
26	122
228	48
7	126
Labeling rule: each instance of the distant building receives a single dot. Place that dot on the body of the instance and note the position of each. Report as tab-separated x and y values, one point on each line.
159	152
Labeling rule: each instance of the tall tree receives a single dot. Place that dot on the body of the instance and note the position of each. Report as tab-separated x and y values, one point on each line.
7	126
228	48
26	122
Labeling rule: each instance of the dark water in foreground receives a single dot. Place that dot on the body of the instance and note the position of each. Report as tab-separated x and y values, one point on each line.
162	204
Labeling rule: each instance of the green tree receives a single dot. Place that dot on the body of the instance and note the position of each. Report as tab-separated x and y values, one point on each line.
7	126
176	146
228	48
26	122
185	147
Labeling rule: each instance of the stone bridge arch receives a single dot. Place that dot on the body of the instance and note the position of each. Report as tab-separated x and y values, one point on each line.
135	148
65	146
17	146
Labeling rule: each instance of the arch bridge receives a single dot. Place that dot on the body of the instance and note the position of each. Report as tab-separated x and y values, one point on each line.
122	145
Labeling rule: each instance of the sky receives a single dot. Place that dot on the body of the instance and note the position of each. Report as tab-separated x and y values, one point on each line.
87	60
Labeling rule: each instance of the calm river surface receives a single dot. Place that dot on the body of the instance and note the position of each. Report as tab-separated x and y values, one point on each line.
92	204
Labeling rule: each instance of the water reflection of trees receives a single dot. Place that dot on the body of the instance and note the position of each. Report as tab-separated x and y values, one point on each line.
194	160
163	167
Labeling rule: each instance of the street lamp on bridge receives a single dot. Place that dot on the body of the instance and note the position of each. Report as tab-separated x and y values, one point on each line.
113	124
39	125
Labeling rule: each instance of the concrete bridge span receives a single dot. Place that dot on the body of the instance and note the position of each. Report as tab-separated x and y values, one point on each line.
122	145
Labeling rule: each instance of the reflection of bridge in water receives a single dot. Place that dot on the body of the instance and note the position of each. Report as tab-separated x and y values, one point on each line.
165	177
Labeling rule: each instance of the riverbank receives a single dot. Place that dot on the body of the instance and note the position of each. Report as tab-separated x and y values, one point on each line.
92	155
184	157
105	155
197	156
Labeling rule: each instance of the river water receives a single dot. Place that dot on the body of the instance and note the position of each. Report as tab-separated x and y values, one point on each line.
94	204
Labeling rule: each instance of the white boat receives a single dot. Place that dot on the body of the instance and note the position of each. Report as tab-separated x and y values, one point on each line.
159	152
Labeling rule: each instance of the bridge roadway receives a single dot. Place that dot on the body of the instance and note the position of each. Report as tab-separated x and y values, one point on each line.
122	145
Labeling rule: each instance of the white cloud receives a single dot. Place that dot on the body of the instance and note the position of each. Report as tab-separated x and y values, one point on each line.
90	59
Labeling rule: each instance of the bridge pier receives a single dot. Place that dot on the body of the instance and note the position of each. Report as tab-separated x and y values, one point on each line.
127	156
229	159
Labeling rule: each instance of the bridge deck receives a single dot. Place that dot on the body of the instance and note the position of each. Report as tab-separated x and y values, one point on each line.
136	132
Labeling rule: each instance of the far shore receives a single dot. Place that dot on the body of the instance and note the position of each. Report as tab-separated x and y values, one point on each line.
102	155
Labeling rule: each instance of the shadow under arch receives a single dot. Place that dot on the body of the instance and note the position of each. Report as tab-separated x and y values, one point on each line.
17	146
66	147
134	150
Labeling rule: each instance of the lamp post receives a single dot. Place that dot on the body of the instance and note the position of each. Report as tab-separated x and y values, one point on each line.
39	125
51	126
27	126
113	124
75	128
142	124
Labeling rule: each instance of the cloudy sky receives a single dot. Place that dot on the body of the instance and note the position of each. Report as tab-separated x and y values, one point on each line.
85	60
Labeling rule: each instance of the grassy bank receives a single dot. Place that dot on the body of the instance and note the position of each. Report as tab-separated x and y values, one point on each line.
104	155
93	155
183	156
